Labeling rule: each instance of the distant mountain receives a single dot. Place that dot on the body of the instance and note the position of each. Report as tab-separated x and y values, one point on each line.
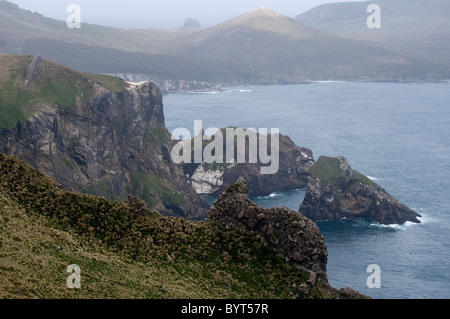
264	46
191	24
93	48
259	47
419	26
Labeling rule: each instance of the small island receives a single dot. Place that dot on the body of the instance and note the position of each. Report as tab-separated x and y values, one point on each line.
335	191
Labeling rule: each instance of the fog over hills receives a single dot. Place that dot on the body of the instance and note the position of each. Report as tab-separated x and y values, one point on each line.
259	47
417	25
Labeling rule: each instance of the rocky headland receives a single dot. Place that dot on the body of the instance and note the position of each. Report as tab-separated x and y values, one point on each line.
335	191
109	140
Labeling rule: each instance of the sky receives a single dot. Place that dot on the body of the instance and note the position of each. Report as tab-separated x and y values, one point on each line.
164	14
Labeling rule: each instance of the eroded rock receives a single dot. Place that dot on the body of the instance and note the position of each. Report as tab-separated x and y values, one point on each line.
297	238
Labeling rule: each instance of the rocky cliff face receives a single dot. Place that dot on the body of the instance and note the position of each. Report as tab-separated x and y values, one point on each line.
114	145
293	172
335	190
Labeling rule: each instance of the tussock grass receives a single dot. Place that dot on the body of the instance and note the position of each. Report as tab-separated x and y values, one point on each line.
123	254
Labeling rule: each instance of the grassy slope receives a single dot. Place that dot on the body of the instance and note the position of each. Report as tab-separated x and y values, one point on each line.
56	85
328	170
25	24
122	254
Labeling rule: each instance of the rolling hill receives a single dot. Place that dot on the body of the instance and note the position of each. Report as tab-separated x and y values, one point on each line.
258	47
417	26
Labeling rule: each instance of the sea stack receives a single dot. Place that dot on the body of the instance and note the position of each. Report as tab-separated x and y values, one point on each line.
335	191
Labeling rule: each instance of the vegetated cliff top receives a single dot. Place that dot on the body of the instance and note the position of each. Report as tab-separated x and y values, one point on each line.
55	85
125	250
93	133
335	191
329	169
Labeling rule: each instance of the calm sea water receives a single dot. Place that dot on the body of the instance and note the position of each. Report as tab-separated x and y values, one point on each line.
398	134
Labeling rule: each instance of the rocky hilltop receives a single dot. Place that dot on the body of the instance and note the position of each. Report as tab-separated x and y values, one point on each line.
96	134
335	190
293	172
297	237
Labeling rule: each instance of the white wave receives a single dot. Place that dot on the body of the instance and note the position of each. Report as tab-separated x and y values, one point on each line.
232	90
394	226
275	195
329	81
372	178
426	219
211	92
205	92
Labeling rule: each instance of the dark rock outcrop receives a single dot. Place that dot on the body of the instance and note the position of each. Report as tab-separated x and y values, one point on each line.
191	24
33	69
294	237
293	172
297	238
335	190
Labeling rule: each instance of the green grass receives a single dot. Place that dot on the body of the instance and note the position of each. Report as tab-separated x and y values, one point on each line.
160	135
114	84
55	86
65	161
122	254
147	186
328	170
363	179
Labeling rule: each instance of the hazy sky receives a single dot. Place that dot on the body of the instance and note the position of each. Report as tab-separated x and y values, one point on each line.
164	14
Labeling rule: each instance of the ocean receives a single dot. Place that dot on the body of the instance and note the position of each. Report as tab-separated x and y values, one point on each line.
398	134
